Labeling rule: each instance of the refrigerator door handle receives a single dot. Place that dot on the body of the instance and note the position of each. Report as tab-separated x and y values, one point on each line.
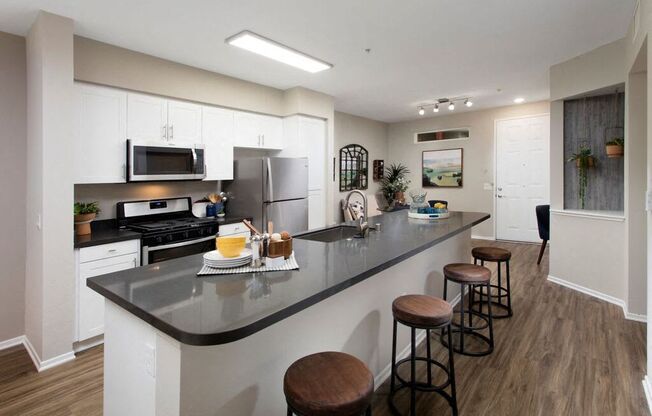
270	184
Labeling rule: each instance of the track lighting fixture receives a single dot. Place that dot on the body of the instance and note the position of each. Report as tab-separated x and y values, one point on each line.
450	102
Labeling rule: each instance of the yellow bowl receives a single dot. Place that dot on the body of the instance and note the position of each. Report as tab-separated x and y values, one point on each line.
231	246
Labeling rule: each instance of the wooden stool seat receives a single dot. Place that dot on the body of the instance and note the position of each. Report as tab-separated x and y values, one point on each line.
491	254
328	383
467	273
422	310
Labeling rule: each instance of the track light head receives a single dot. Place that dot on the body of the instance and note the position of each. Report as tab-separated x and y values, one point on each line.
421	111
468	103
451	106
435	109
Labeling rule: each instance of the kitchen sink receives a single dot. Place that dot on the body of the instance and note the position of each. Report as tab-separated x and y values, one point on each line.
328	235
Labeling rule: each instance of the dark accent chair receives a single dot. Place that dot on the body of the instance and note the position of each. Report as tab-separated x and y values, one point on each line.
543	221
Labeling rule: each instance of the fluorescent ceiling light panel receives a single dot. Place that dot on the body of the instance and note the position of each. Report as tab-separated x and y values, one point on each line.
274	50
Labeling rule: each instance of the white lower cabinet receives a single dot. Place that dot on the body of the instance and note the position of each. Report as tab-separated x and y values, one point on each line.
90	304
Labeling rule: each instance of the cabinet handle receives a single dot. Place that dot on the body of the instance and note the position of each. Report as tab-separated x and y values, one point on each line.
135	263
165	132
171	131
263	140
124	171
259	140
113	250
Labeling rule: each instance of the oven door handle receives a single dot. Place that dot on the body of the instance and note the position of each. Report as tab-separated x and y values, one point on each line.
181	244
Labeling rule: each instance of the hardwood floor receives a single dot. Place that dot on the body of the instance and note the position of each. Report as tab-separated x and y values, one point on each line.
563	353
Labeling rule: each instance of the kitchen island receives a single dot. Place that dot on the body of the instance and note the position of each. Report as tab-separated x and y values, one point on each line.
178	344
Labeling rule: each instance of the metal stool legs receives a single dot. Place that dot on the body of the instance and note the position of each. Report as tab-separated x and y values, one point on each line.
502	292
413	384
470	330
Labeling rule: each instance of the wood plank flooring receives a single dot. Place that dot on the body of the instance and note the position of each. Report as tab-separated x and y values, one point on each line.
563	353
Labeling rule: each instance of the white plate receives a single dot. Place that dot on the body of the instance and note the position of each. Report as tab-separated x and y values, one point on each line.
241	261
215	256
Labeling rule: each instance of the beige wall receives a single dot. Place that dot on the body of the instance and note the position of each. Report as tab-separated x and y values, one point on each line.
370	134
12	183
50	273
479	155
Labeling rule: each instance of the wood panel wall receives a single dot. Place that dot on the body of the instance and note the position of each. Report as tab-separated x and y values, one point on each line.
590	122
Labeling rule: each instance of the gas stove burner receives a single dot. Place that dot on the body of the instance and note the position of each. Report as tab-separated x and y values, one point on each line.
179	223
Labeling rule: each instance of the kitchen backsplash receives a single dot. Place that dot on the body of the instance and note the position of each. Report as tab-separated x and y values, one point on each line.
109	194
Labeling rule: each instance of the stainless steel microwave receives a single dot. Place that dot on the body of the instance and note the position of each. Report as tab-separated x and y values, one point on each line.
160	161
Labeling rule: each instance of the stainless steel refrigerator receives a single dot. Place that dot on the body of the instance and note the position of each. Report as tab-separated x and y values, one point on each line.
271	189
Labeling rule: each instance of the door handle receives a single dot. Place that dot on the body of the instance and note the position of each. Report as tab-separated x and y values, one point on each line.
500	189
499	196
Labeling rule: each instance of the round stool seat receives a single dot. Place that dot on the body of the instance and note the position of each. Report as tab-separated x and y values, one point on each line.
422	310
467	273
491	254
328	383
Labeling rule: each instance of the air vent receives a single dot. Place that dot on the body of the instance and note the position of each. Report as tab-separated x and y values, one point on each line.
441	135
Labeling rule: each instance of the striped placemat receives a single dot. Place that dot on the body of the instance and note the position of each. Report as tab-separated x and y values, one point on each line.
290	264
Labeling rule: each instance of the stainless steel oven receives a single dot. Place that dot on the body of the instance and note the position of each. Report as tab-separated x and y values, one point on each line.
164	252
160	161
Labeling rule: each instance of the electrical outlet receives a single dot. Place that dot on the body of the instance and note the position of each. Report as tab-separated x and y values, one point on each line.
150	360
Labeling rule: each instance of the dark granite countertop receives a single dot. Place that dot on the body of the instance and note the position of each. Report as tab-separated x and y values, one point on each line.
107	231
221	309
104	232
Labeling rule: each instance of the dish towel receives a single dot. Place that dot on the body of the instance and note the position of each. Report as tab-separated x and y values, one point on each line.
290	264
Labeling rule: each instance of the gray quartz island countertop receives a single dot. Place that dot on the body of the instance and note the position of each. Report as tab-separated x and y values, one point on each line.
220	309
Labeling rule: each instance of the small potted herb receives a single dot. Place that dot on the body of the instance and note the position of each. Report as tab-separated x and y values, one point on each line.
85	213
615	147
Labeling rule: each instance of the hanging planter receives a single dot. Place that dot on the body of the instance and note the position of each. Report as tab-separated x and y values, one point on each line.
583	160
615	147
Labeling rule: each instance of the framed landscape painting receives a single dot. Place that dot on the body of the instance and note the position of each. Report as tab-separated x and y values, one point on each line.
442	168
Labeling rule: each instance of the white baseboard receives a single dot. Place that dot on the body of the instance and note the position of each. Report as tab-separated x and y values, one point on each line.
386	372
12	342
599	295
647	388
38	363
481	237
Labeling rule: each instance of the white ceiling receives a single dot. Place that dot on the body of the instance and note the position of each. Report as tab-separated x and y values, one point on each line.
420	49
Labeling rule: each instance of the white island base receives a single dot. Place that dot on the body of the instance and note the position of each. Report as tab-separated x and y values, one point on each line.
146	372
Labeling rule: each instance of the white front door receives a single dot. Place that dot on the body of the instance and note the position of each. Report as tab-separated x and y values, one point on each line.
522	175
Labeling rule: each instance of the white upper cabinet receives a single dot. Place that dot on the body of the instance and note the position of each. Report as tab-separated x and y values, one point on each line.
218	129
258	131
100	134
147	118
184	122
312	132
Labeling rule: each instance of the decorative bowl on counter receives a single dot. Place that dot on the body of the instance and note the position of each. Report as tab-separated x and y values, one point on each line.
231	246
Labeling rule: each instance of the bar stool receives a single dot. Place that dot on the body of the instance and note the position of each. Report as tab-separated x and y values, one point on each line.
328	383
429	313
499	256
469	275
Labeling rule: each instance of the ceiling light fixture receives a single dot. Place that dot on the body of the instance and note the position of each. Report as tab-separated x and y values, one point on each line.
468	103
435	109
450	102
268	48
451	106
519	100
421	111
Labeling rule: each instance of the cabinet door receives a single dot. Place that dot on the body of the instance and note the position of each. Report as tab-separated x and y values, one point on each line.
247	130
217	136
312	132
184	122
316	209
90	312
271	129
100	134
146	118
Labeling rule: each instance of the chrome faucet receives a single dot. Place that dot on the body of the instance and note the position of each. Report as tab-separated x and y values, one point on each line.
363	227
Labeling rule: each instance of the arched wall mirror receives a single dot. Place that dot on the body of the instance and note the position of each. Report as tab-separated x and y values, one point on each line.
354	167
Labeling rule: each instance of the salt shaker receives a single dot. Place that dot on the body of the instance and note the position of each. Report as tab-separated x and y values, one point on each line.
256	241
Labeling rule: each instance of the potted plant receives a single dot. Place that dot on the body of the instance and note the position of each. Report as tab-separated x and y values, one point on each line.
583	160
615	147
395	183
85	213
